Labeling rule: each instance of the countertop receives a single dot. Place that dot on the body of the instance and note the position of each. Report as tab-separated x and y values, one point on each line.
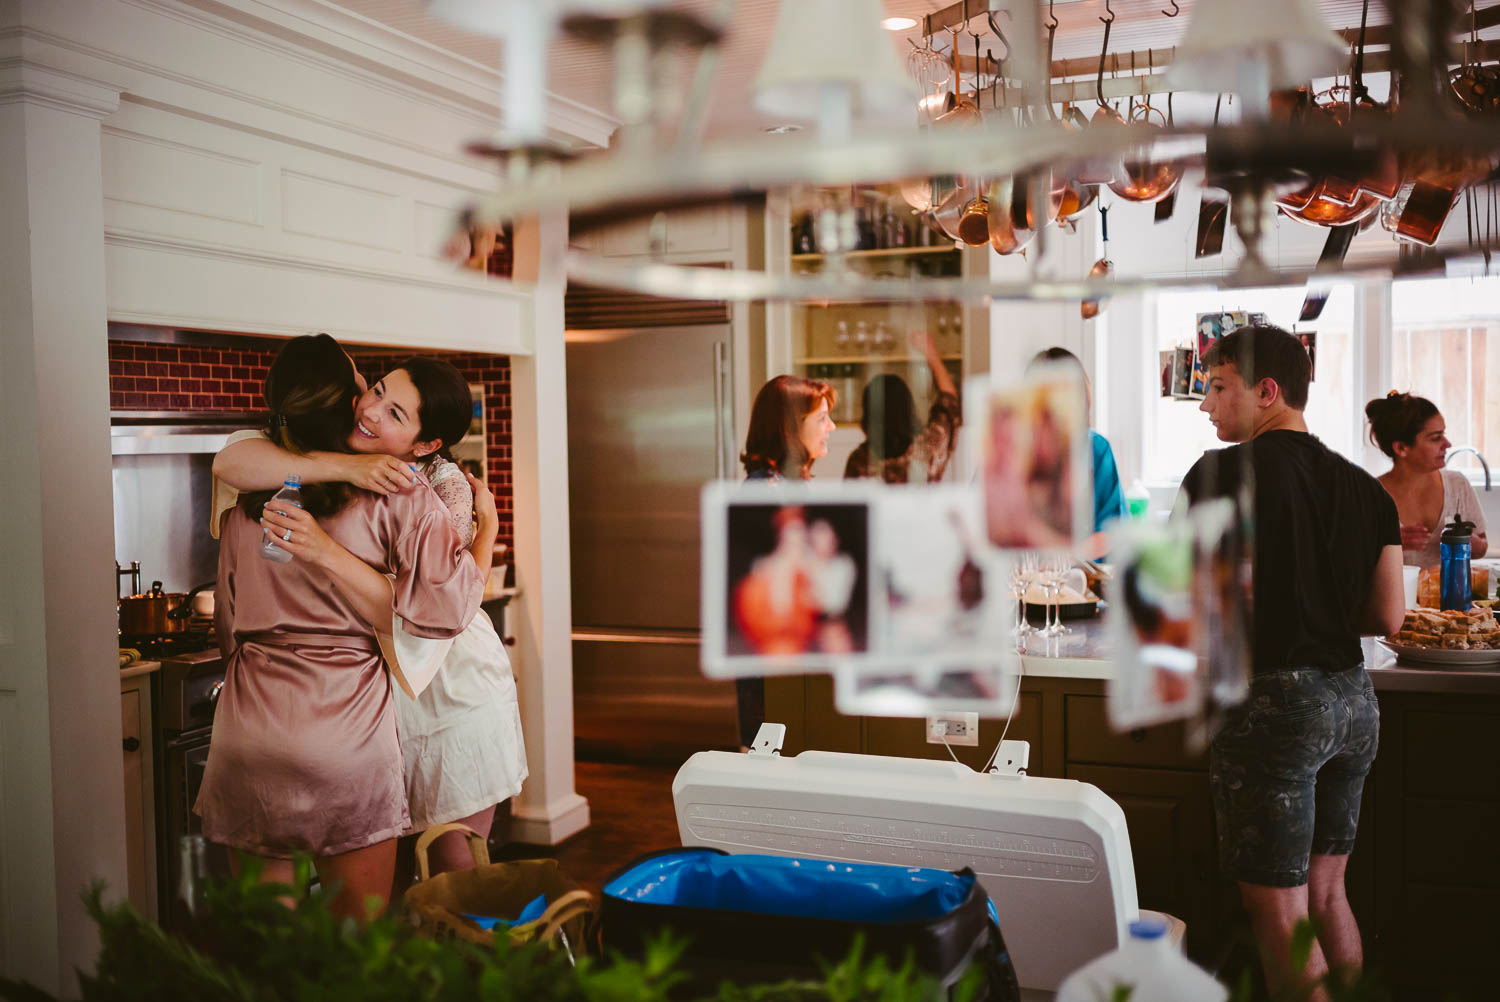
138	668
1086	653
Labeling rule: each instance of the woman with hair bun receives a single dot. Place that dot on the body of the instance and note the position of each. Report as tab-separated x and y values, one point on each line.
1412	433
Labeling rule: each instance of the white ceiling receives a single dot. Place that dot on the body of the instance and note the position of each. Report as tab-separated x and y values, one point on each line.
581	72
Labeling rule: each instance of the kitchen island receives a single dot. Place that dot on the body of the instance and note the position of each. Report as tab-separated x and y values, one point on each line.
1422	880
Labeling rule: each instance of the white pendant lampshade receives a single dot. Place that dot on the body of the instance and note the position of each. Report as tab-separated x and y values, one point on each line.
1275	43
823	47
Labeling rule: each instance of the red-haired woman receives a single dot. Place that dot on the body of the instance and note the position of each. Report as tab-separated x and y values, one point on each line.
789	429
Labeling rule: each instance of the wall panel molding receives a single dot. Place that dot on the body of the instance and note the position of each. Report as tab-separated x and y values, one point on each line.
330	209
159	173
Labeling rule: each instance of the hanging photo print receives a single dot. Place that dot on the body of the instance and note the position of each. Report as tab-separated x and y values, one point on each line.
1033	458
1151	625
786	577
943	589
1221	590
988	689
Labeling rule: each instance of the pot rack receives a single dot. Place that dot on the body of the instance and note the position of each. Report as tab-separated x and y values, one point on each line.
1073	80
1252	161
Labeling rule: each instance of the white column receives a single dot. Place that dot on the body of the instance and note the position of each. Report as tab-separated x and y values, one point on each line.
548	809
62	809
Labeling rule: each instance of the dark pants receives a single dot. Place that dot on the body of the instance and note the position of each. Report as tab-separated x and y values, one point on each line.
1287	771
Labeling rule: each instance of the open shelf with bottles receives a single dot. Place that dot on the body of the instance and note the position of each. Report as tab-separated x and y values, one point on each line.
847	343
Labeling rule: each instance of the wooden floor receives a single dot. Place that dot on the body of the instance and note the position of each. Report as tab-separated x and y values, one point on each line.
631	813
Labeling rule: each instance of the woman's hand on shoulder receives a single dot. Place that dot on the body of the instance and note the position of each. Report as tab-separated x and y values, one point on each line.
376	472
485	512
297	532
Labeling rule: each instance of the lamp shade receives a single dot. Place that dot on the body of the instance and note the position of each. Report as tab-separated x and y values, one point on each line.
822	44
1285	37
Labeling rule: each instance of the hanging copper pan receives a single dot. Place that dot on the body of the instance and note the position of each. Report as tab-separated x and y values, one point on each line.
1325	211
1146	180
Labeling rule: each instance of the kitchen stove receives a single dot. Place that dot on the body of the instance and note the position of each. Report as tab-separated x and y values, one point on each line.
187	691
156	646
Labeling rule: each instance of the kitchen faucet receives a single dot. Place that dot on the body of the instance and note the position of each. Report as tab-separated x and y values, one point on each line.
1470	448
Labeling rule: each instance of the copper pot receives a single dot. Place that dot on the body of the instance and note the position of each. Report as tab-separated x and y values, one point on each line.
1003	234
1325	211
1146	180
952	198
150	613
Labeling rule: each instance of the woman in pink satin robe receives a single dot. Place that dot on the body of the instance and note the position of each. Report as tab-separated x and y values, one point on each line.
305	755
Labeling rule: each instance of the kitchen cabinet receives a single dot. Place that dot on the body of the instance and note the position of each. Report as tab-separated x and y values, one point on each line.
140	790
1437	790
675	232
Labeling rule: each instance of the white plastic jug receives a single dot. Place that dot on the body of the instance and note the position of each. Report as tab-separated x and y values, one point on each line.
1149	966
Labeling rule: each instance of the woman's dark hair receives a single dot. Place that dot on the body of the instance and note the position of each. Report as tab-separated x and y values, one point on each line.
1398	417
446	406
887	407
310	392
774	441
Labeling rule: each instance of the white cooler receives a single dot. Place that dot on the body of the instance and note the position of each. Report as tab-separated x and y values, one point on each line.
1053	854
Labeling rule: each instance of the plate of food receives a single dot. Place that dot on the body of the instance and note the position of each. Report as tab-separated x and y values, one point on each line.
1449	639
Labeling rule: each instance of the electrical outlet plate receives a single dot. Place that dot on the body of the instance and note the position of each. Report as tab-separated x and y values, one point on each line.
955	728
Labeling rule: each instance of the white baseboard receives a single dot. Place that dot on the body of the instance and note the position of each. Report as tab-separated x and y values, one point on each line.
551	824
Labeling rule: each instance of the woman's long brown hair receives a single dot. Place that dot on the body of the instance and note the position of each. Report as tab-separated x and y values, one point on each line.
774	441
310	392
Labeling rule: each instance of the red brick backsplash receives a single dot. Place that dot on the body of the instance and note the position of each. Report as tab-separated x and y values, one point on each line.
165	377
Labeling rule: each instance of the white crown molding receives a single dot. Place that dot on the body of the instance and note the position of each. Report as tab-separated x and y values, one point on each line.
333	37
499	289
23	80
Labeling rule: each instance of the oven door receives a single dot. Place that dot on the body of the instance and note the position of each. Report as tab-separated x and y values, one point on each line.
185	761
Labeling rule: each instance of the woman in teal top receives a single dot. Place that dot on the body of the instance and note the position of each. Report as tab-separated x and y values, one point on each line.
1109	498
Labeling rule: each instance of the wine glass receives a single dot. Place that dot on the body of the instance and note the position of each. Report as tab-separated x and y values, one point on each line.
883	340
1054	573
1021	574
841	338
862	337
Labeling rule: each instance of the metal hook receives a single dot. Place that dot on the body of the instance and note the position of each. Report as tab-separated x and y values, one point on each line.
1052	21
1174	11
1103	52
1000	35
1107	20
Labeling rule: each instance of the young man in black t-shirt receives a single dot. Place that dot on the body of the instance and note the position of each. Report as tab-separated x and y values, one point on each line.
1288	766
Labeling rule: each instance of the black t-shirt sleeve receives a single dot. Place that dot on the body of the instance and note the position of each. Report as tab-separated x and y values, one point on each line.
1387	522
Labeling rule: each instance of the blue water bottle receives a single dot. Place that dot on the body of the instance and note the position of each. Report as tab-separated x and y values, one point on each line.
1454	572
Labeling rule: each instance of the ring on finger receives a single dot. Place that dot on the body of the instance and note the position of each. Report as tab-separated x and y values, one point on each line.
286	537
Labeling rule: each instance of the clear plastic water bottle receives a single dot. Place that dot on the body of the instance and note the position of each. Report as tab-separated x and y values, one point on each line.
290	494
1149	966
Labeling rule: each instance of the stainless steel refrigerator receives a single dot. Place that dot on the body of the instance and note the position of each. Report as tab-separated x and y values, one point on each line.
649	423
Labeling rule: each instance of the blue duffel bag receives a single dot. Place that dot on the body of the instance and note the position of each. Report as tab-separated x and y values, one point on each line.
763	919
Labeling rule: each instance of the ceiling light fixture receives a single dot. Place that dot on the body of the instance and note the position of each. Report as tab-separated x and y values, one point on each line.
898	23
825	62
783	128
1253	49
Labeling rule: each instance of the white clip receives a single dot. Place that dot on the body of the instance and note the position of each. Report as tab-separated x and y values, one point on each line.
769	739
1012	758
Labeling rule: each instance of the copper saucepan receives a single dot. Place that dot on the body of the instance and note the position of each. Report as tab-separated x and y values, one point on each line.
158	612
150	612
